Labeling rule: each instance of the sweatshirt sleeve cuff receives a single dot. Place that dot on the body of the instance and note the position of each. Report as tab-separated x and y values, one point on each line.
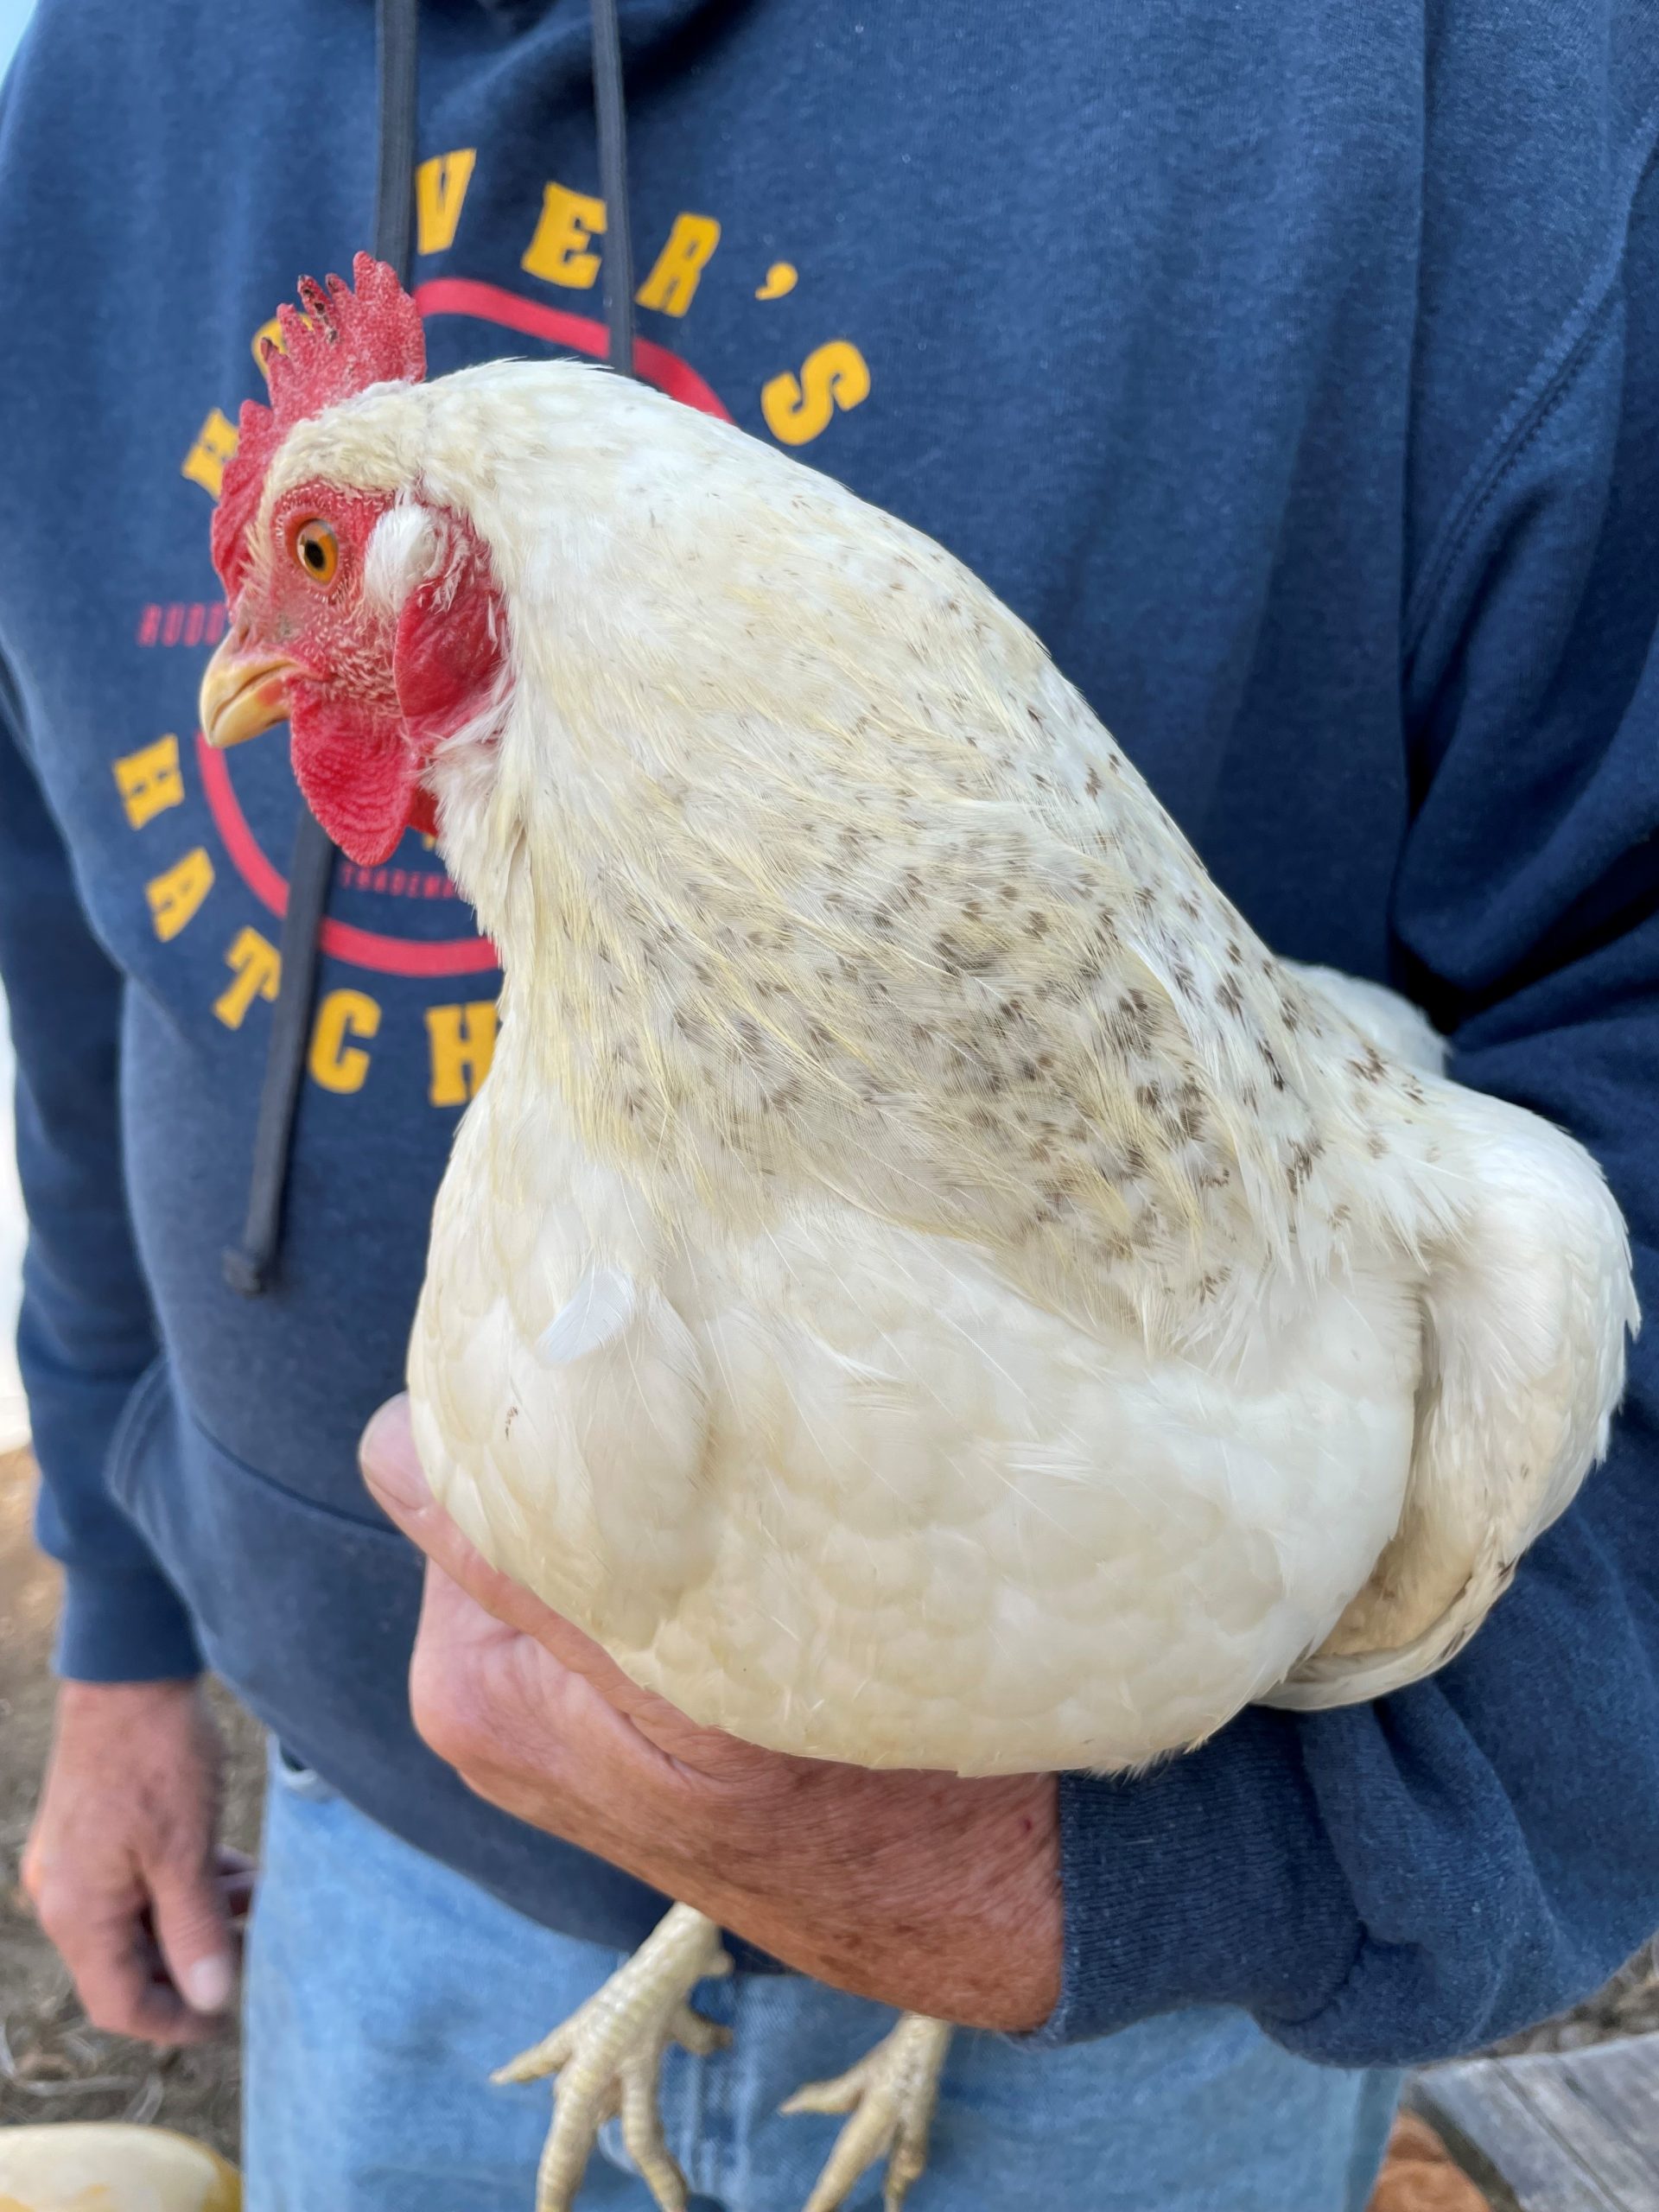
1207	1881
123	1627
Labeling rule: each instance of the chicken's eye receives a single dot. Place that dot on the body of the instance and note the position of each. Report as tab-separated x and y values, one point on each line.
317	551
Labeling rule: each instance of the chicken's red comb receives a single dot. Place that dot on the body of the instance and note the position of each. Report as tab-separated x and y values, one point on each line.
344	341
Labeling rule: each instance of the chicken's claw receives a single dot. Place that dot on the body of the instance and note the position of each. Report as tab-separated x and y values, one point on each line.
608	2054
890	2095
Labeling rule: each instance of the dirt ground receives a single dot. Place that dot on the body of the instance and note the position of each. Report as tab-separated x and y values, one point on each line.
53	2066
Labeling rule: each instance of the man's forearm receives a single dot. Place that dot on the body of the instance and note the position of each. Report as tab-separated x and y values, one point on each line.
919	1891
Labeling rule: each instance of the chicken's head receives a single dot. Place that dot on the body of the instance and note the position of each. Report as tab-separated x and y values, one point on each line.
362	614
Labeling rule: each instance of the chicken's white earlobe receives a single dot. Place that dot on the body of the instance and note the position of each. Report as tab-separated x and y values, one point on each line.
404	548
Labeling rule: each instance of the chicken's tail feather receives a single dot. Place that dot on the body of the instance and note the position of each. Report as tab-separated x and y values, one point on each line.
1525	1309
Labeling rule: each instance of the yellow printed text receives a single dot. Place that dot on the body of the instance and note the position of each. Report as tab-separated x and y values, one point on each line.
205	463
336	1065
799	409
463	1043
440	195
558	251
148	780
677	271
256	970
176	894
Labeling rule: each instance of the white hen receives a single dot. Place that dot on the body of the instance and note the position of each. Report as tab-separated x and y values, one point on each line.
923	1284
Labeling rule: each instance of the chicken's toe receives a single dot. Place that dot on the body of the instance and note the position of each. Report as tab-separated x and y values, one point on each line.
889	2097
608	2054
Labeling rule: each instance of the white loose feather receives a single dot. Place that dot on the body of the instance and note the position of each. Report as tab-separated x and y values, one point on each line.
602	1305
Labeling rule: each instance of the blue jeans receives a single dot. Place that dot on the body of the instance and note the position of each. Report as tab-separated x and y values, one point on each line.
381	1988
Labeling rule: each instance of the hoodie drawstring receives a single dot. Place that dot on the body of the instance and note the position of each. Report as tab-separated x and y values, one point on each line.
617	265
251	1265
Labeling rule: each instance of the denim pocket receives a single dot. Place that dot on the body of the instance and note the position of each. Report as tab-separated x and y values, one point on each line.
295	1779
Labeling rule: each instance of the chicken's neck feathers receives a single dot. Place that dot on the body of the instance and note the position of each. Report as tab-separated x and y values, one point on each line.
809	869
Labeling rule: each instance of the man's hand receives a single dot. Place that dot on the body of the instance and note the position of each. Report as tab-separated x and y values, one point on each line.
925	1892
121	1865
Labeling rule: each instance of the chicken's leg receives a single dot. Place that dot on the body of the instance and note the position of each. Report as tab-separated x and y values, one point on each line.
890	2095
608	2054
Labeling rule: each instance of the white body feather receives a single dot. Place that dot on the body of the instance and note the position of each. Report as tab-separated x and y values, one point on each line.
922	1285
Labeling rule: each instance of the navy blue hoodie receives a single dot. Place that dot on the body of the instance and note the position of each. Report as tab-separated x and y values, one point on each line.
1292	367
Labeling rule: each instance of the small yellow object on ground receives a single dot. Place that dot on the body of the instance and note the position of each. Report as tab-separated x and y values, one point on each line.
105	2167
1420	2175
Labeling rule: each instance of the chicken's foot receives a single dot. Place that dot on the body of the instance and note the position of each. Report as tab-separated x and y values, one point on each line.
609	2053
890	2095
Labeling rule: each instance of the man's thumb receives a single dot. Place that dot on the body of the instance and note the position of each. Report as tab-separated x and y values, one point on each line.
392	1467
195	1935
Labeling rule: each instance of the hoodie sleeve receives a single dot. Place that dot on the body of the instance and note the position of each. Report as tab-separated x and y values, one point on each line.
85	1332
1413	1879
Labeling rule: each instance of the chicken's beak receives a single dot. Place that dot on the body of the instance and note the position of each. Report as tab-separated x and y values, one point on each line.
243	693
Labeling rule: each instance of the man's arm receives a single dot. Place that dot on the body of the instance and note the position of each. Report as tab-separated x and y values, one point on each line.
1423	1876
124	1840
85	1332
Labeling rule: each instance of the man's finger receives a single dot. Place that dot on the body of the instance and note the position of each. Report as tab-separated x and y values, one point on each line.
392	1467
237	1876
116	1973
455	1620
392	1470
193	1934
